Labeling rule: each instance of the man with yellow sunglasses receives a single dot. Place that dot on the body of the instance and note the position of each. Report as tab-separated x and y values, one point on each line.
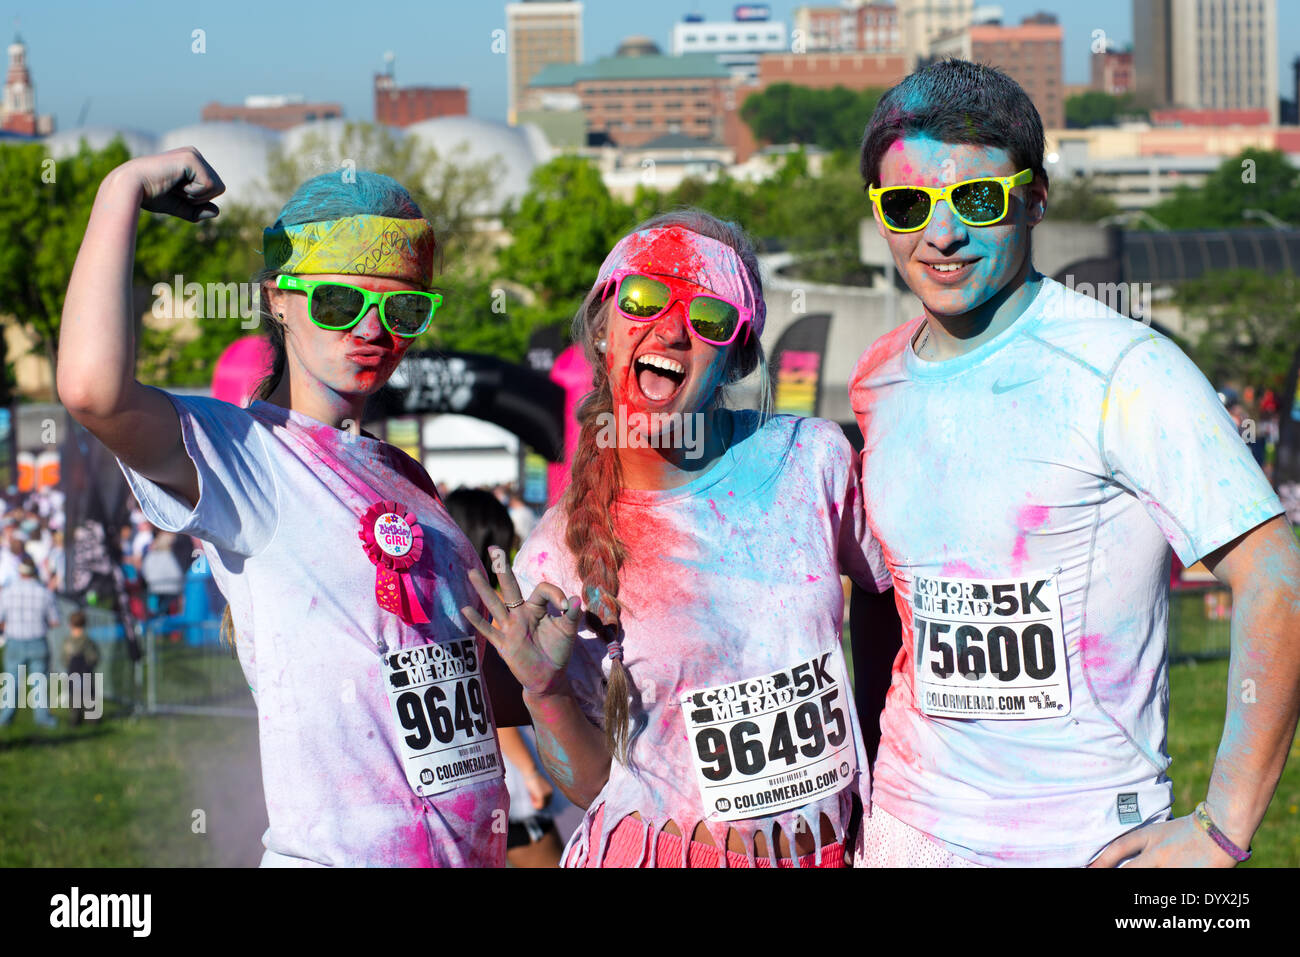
1030	458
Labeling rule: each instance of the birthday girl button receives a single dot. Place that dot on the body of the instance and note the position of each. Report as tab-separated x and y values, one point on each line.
393	534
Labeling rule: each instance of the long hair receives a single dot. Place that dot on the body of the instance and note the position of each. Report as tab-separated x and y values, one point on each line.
320	199
485	522
589	502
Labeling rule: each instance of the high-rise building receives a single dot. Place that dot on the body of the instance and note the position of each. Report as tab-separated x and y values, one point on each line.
1206	54
18	111
853	26
736	44
1029	53
920	22
537	35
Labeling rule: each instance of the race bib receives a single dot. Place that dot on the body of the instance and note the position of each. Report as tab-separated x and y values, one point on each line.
989	649
772	743
444	726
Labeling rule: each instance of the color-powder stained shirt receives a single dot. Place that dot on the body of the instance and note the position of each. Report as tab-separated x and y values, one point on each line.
732	638
1026	496
280	529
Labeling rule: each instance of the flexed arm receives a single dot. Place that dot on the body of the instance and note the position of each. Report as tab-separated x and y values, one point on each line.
96	363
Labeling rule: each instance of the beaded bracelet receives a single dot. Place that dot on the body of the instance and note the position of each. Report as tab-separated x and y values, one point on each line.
1208	826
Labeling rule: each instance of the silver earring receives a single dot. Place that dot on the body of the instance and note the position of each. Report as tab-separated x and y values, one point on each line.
602	345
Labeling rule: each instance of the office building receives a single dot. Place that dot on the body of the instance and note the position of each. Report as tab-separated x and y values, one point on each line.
735	44
538	35
1206	54
1029	53
920	22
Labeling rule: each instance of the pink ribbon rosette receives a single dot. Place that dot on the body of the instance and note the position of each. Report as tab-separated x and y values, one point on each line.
394	542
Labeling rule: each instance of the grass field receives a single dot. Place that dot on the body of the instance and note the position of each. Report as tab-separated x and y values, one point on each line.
124	791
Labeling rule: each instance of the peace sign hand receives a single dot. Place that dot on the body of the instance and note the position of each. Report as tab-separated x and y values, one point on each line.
534	645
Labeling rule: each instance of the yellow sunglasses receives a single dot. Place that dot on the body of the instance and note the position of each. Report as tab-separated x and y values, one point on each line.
977	202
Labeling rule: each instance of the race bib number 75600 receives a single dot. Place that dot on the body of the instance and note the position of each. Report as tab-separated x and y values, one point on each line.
989	649
773	742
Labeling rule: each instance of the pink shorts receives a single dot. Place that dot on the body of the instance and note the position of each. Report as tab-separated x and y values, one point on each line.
628	847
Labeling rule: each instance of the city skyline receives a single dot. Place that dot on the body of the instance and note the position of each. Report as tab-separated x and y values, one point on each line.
133	66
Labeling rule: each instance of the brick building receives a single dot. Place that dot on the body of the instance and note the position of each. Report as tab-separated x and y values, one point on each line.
1029	53
18	108
866	28
403	105
1112	72
271	112
635	99
856	71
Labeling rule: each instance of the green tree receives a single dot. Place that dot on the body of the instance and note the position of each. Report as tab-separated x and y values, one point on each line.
1095	108
454	195
1078	200
562	230
44	209
1254	179
832	119
1245	325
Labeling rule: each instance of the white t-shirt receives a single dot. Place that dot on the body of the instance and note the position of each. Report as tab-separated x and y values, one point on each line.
282	540
1026	495
742	716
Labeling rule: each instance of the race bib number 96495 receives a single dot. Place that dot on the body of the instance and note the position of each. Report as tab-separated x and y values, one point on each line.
444	726
771	743
989	649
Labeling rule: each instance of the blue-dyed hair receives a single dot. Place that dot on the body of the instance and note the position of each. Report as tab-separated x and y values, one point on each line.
956	101
327	197
320	199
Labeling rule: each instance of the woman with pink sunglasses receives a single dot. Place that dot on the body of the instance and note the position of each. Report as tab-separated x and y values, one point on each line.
703	714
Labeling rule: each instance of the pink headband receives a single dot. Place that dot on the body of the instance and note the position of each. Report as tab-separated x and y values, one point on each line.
679	252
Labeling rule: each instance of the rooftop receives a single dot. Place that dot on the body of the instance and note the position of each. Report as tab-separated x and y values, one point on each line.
693	65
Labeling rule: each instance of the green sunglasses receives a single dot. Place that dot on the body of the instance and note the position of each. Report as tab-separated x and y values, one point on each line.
338	306
977	202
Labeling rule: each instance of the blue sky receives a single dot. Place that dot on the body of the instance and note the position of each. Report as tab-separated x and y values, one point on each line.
129	63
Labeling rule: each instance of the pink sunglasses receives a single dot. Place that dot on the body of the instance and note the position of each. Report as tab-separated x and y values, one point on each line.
644	298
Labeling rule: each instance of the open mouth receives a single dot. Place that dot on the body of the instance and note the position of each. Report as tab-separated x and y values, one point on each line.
658	377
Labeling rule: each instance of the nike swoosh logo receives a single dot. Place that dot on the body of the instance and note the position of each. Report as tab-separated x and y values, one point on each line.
999	388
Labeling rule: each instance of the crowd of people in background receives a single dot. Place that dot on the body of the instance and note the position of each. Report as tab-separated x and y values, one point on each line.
154	565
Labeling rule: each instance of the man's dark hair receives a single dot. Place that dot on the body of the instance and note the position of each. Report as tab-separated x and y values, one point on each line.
956	101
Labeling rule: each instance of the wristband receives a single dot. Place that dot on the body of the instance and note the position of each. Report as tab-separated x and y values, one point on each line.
1208	826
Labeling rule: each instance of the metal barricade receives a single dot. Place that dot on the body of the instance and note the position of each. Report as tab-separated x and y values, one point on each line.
190	671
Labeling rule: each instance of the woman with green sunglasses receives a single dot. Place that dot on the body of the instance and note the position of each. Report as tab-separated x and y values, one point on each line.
343	571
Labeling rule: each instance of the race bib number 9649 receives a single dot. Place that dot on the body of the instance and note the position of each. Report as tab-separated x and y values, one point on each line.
440	706
771	743
989	649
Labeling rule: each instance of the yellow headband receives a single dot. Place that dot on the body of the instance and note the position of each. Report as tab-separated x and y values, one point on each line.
354	246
